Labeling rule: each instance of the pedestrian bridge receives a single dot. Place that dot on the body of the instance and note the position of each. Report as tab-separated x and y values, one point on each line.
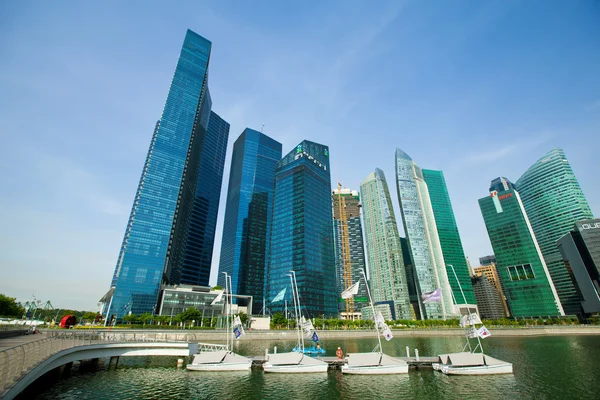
21	365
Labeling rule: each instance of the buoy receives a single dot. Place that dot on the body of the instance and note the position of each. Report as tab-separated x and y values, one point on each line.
180	363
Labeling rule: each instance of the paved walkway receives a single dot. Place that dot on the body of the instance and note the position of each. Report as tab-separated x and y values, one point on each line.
21	339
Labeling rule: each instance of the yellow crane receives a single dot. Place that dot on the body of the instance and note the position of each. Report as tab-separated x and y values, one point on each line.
345	247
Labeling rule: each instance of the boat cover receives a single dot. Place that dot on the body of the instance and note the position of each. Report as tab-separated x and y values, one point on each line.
285	358
235	358
493	361
387	360
443	358
363	359
465	359
210	357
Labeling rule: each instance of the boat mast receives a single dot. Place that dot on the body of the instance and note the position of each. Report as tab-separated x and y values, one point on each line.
362	271
299	309
468	309
295	310
226	307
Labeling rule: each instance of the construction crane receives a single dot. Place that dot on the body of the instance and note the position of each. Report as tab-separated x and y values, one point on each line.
345	247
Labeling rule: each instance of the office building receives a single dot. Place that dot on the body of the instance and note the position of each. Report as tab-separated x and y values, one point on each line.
302	231
554	201
387	273
491	275
525	279
487	260
489	301
248	212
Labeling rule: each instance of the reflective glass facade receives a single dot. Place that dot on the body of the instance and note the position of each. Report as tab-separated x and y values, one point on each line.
156	237
423	240
246	229
554	201
387	272
527	285
302	231
449	237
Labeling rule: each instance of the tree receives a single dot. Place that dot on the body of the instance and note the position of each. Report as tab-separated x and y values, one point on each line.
191	314
146	318
90	316
9	307
278	319
130	318
243	317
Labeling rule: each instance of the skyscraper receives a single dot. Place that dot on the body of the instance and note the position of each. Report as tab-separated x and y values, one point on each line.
447	229
423	240
169	235
490	272
489	302
387	273
554	201
246	229
520	265
302	230
347	202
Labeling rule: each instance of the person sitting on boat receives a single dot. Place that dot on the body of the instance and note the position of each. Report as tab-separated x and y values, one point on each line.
318	346
339	353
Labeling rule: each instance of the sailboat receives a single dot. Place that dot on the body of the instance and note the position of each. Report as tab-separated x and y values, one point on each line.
471	362
223	360
294	361
375	362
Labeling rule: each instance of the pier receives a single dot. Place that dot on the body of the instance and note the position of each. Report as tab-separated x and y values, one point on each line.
336	363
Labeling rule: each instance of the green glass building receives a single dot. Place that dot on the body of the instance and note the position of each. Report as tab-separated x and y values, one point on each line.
449	237
554	202
520	264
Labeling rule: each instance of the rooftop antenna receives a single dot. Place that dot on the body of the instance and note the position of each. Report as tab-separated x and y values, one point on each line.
261	129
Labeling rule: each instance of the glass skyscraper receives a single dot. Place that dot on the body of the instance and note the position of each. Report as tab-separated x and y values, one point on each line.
169	236
387	273
520	264
449	237
423	240
554	201
246	229
302	231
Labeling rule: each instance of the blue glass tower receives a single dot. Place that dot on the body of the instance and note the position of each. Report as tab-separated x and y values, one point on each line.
169	229
246	229
302	231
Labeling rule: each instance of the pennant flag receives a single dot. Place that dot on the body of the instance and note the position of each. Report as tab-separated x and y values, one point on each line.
238	332
387	333
434	296
237	320
315	337
351	291
483	332
469	320
472	333
379	319
307	326
217	299
474	318
279	296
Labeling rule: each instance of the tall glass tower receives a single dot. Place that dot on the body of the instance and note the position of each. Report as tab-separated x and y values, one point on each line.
554	201
387	273
169	235
447	230
302	231
422	235
520	264
246	229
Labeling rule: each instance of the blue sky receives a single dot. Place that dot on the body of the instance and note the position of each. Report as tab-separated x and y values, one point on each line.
477	89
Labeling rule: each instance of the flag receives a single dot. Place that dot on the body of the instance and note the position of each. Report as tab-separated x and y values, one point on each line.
469	319
472	333
483	332
279	296
307	326
217	299
315	337
379	319
237	321
387	333
351	291
474	318
434	296
238	331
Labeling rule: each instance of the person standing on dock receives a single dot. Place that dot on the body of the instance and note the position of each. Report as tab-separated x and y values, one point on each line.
339	353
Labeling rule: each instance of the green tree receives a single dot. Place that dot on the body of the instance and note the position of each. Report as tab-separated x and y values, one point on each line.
278	319
146	318
129	318
89	316
191	314
9	307
243	317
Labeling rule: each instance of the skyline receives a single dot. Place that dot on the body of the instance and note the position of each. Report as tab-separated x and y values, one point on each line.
404	76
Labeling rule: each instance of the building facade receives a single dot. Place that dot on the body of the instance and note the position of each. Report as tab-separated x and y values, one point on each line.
580	250
489	301
452	248
387	273
248	213
491	275
302	231
423	240
525	278
161	241
554	201
487	260
346	204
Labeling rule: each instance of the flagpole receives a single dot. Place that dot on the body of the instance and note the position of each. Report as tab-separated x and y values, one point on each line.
468	308
299	310
295	309
362	271
226	309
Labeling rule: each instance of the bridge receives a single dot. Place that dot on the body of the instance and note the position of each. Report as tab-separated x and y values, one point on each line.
35	355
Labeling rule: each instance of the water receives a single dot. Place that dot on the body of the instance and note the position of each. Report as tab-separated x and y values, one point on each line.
565	367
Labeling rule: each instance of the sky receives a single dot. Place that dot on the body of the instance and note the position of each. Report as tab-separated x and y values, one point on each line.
478	89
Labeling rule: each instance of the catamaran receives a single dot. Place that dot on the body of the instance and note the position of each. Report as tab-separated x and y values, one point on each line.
223	360
375	362
295	361
471	362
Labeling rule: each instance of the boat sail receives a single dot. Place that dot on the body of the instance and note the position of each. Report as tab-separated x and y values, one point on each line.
471	362
376	362
225	360
294	361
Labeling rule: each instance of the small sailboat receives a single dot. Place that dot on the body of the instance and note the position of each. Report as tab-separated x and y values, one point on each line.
223	360
295	361
471	362
375	362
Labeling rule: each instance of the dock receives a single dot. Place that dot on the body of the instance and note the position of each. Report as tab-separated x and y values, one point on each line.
336	363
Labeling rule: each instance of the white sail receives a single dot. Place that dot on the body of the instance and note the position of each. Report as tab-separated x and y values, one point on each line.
351	291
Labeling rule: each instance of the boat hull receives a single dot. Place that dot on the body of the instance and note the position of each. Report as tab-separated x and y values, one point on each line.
478	370
376	370
220	367
295	369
